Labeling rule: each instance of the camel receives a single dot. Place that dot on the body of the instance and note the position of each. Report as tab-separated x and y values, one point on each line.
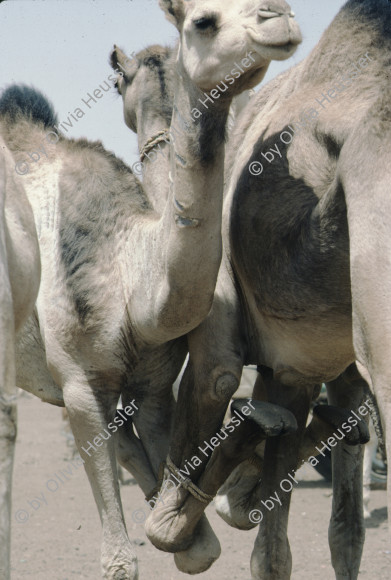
158	59
122	284
19	275
298	291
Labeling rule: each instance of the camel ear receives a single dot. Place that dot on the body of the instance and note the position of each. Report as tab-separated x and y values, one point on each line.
122	65
174	11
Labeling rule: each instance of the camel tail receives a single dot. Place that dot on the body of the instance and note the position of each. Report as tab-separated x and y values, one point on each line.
19	102
375	416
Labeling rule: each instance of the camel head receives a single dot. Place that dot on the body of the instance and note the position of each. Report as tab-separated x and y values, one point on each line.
145	82
218	35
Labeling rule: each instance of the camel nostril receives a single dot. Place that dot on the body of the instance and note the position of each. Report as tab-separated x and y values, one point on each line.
274	8
272	14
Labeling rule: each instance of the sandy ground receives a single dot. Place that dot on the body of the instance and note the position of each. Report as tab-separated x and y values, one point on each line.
60	539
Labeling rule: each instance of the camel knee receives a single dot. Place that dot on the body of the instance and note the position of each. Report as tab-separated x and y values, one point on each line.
226	385
221	385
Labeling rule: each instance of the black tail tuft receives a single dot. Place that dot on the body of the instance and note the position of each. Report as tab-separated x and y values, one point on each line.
21	101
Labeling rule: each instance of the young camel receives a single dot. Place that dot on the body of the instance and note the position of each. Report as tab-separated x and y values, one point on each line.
301	287
122	283
19	276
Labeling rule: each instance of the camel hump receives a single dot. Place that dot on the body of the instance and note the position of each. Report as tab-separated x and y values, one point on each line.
21	101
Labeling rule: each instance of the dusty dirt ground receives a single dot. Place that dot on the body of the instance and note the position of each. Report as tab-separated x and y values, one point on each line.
60	539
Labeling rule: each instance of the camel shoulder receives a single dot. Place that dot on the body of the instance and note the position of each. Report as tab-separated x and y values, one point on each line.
279	88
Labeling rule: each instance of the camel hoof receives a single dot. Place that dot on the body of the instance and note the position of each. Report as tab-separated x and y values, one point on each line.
271	420
204	551
170	526
234	516
336	417
122	572
235	498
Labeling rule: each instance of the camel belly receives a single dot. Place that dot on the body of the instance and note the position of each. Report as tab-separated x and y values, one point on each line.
32	373
303	352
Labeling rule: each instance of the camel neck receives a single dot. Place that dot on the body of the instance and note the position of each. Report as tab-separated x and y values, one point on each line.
198	123
197	151
155	163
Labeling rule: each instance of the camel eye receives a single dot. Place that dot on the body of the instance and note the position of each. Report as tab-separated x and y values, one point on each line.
206	24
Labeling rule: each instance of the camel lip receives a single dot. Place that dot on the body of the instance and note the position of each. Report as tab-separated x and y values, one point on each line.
286	44
287	47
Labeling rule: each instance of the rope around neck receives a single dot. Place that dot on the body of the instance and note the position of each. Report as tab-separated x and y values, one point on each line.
153	141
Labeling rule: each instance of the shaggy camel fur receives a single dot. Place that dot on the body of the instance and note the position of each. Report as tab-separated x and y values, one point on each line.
19	283
122	283
301	287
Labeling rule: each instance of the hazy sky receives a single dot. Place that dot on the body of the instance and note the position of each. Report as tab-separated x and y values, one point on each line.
62	46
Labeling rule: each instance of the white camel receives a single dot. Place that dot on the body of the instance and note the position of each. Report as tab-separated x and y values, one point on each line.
19	283
122	283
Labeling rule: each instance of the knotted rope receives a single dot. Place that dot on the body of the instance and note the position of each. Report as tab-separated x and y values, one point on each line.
185	482
153	141
188	485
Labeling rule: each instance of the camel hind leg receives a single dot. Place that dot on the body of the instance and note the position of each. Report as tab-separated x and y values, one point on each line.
347	529
365	175
271	557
